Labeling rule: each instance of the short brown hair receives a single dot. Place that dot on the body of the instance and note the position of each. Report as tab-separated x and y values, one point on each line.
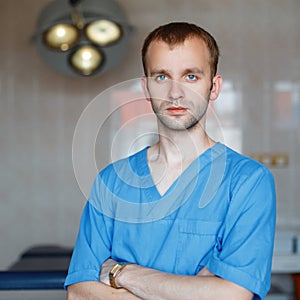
176	33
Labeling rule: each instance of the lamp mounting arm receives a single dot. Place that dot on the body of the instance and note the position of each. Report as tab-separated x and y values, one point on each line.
76	14
74	2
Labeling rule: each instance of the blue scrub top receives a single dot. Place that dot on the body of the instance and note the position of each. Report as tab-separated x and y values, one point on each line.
220	213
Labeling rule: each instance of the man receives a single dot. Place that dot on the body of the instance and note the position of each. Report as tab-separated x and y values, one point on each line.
187	218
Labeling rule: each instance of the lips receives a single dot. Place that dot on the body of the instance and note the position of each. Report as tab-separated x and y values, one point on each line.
176	110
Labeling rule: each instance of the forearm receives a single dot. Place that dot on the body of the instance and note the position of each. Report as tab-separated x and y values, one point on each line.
93	290
149	284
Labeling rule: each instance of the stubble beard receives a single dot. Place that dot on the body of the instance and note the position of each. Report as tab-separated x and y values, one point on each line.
180	123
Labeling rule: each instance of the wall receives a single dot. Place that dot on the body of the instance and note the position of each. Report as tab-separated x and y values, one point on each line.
40	198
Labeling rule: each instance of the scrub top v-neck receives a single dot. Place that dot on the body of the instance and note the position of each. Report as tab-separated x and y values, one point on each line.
204	158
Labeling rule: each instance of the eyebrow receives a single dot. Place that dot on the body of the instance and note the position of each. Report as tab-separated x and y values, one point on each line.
194	70
159	71
186	71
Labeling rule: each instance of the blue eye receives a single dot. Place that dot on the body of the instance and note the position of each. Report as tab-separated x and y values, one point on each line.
191	77
161	77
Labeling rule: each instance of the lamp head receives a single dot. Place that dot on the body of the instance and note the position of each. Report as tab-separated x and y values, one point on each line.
82	38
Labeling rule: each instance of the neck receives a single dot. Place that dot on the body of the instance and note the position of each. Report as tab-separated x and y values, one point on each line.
180	146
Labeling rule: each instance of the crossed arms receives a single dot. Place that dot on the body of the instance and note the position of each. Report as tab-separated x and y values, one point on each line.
137	282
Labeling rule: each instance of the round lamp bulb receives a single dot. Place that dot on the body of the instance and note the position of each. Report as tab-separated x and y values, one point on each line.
61	37
103	32
86	59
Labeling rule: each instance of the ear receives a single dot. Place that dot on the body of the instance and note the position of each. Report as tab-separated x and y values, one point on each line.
216	87
144	82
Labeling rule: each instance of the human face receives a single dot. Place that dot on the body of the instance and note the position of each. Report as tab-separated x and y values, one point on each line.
179	85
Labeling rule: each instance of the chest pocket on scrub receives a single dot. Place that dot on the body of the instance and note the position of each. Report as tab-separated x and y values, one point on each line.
196	240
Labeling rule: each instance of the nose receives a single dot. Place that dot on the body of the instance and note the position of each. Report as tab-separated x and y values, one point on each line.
176	91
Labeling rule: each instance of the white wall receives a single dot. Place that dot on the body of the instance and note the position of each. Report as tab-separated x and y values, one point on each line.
40	199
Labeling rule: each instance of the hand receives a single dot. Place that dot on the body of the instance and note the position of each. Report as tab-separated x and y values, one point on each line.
105	268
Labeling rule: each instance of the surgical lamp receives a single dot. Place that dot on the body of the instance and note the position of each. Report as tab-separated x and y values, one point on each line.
82	37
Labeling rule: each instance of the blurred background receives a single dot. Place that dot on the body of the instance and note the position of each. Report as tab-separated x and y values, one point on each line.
259	112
